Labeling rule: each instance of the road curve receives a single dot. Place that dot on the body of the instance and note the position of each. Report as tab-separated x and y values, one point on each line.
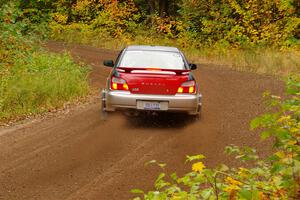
77	156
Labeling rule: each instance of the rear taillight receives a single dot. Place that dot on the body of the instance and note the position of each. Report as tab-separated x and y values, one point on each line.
118	84
188	87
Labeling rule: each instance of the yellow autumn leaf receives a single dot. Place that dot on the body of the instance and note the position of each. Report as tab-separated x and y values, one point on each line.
232	181
198	167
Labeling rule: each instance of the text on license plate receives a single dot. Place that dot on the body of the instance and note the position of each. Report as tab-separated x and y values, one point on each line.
151	106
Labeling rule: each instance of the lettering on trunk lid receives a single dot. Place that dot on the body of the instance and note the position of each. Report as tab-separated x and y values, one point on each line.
154	84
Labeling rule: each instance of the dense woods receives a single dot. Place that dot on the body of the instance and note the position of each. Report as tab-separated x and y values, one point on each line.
224	23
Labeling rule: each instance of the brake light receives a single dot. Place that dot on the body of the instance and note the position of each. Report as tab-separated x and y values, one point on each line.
188	87
114	86
125	86
118	84
153	69
180	90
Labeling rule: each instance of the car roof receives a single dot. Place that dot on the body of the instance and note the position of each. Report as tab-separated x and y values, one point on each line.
151	48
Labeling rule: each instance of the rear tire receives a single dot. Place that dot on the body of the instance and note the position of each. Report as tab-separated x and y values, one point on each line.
195	117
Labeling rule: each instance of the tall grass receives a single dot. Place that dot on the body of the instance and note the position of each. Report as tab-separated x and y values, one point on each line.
33	80
258	60
262	61
38	82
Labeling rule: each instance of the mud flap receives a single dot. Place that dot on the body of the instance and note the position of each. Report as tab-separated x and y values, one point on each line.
199	109
196	115
104	114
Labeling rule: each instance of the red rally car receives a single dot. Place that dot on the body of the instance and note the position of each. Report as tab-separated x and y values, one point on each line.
151	79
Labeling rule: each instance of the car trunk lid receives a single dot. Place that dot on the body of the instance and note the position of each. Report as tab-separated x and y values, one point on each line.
153	81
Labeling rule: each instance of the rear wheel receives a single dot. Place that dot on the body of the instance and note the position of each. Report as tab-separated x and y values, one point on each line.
131	113
195	117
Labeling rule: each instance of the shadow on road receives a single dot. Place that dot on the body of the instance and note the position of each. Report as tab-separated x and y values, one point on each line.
161	120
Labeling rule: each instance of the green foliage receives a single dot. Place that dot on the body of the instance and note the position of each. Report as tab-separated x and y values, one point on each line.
274	177
197	23
33	80
113	17
39	82
242	23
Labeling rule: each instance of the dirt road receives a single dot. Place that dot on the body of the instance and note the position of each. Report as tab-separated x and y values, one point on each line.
78	156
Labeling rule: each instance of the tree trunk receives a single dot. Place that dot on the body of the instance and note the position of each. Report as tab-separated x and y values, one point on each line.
163	8
151	4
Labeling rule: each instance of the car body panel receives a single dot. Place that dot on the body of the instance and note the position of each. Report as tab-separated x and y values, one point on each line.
120	100
166	84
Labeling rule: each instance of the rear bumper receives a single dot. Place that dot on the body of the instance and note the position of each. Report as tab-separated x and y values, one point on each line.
120	100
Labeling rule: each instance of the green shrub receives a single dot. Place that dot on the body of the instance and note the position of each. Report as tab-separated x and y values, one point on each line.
39	82
274	177
33	80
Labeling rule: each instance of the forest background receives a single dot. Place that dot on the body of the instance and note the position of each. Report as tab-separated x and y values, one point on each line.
254	35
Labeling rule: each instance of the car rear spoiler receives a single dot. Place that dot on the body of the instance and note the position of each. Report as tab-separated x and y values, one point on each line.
153	71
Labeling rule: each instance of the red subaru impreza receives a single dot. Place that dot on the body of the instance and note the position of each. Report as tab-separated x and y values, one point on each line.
152	79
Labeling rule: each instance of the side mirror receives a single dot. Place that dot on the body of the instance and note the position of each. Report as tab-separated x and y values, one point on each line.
108	63
193	66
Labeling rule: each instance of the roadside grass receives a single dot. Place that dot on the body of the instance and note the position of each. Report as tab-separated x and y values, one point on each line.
33	80
39	82
261	61
258	60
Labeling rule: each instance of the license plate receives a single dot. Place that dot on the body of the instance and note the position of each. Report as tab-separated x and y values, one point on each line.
151	106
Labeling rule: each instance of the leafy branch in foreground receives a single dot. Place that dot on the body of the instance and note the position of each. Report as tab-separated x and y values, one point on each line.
274	177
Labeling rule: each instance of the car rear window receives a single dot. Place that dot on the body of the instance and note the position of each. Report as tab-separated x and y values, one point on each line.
152	59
